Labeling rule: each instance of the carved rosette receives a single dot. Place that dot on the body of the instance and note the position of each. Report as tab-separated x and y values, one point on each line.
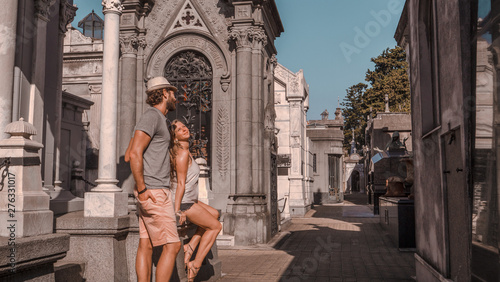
112	6
66	16
42	9
129	44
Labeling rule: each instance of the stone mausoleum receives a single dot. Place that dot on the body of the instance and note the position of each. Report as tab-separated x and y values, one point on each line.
326	137
291	102
220	55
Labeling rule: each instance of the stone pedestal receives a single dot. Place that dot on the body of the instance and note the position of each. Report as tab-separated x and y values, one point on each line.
99	243
23	204
101	204
247	218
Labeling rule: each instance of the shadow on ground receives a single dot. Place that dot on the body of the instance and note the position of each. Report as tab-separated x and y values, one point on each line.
327	246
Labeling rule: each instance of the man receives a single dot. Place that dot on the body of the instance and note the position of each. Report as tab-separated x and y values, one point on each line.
150	165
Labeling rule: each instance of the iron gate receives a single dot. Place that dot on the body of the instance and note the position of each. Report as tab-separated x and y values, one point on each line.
192	74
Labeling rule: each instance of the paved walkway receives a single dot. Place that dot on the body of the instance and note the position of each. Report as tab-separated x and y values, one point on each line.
341	242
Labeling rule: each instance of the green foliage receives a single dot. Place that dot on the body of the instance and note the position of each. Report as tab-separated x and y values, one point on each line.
388	77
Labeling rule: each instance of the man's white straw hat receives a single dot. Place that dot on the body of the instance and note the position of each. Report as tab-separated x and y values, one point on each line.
159	82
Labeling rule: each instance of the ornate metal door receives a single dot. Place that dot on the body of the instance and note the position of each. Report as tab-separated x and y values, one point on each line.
192	74
274	196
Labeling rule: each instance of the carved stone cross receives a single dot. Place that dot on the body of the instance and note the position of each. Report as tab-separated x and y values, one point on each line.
188	18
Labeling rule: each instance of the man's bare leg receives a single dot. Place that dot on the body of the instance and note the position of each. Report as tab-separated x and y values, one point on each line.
166	263
143	260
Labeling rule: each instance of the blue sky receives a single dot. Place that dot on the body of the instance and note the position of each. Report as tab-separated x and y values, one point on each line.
331	40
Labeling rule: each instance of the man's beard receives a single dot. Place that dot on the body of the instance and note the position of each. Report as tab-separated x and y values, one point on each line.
171	104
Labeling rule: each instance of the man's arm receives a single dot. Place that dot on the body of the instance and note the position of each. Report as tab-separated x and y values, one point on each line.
140	142
127	152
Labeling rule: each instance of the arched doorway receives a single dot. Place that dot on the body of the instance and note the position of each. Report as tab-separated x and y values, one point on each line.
355	181
191	72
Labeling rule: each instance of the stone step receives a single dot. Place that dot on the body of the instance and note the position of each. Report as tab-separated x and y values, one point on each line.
225	240
69	271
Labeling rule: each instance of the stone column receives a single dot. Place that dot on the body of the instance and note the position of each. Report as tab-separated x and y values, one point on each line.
106	200
244	156
247	218
23	203
259	40
297	195
8	14
129	45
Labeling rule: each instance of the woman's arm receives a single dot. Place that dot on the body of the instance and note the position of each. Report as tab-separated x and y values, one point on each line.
182	164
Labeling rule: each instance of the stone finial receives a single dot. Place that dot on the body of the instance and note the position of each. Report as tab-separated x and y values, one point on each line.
387	103
20	128
338	114
324	115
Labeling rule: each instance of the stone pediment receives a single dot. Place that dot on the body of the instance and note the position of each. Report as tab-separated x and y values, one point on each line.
213	16
187	18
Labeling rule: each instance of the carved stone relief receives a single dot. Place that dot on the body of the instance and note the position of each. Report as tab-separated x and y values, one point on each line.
294	85
223	156
217	13
158	59
66	15
42	9
188	18
112	6
248	36
78	38
129	44
157	21
243	11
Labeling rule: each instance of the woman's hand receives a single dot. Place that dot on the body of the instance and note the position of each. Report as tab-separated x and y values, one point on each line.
182	217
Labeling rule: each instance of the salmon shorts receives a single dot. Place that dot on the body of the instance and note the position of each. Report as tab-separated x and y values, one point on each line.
157	220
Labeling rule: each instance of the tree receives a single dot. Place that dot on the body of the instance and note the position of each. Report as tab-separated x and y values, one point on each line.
354	110
388	77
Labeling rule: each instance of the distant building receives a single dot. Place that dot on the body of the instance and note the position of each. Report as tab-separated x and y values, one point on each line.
326	137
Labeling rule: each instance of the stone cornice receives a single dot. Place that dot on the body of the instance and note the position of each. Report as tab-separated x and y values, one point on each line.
112	6
66	15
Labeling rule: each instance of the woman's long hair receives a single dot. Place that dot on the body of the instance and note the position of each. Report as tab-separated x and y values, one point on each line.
173	147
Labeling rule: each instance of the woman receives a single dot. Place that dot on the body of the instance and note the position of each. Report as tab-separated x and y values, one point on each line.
185	172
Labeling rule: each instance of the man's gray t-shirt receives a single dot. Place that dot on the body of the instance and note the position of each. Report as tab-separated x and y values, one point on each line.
156	157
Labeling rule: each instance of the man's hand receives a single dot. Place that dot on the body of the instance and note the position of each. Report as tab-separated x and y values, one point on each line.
145	196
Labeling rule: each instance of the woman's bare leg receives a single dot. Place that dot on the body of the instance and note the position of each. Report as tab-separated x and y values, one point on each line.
195	240
206	220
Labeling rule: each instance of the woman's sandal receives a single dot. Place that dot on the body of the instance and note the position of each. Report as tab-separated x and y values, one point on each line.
188	252
192	271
